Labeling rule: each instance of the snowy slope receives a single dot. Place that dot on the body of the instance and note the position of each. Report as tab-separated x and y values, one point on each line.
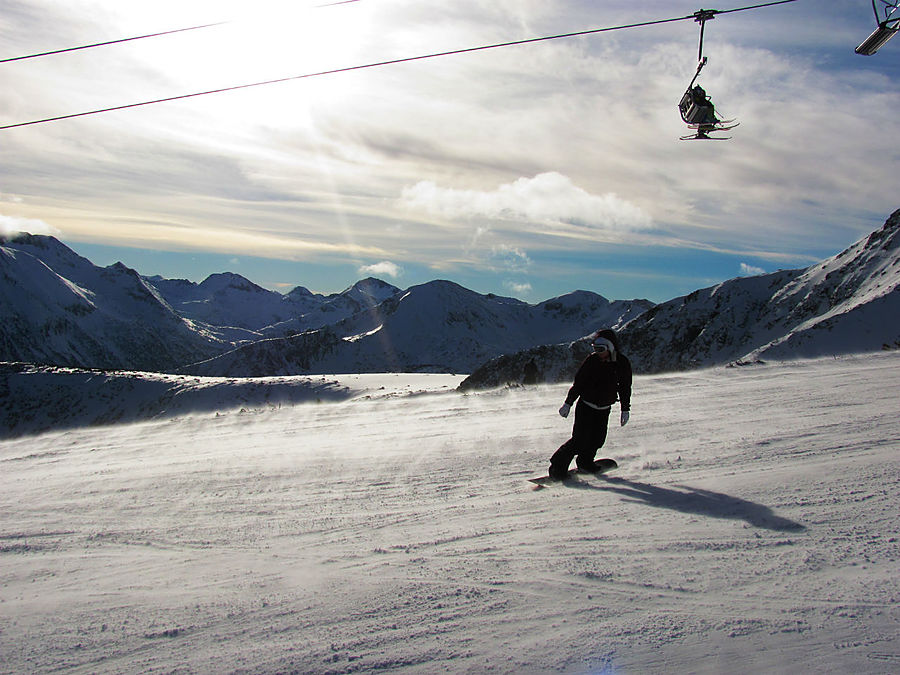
435	327
752	527
847	304
58	308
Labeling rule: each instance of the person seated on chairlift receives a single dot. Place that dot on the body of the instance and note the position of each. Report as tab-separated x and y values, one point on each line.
701	100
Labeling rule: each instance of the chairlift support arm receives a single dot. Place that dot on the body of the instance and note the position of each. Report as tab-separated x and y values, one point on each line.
701	17
697	74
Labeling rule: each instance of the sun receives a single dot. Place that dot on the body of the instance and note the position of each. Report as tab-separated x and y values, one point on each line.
296	40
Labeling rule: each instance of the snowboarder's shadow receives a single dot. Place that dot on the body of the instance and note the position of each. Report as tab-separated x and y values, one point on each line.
701	502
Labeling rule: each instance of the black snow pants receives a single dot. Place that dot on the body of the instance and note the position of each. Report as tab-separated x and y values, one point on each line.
588	436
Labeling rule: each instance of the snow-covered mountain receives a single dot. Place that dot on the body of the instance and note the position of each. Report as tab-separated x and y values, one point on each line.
325	310
849	303
435	327
230	300
58	308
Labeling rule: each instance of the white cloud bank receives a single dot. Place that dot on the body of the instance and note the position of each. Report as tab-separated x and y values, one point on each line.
549	198
11	225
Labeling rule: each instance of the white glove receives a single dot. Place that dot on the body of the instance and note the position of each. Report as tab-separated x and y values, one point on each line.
623	420
564	410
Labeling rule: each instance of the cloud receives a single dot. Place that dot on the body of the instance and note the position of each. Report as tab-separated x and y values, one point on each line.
549	198
385	268
750	270
567	149
163	236
10	225
517	288
510	257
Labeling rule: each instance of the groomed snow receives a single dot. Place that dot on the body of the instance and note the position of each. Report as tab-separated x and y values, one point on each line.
752	527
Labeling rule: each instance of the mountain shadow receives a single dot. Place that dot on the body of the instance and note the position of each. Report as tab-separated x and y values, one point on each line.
701	502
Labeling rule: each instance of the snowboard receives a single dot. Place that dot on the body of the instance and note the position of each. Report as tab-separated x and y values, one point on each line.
603	466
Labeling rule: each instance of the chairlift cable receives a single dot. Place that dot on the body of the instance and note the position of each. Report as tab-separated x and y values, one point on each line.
742	9
378	64
112	42
140	37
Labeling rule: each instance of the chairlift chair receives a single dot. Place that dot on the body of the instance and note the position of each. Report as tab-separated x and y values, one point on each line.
888	26
697	110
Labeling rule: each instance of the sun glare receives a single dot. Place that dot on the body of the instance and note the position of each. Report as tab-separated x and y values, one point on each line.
276	41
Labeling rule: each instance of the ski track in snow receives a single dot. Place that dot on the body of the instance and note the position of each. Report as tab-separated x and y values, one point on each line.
752	527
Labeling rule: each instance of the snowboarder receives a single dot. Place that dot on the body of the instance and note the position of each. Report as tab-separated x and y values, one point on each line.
603	378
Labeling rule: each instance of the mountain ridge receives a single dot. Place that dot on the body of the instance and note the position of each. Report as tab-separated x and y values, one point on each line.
87	315
438	326
84	316
848	303
60	309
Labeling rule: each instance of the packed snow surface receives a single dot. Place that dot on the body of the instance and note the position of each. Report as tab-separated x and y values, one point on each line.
752	527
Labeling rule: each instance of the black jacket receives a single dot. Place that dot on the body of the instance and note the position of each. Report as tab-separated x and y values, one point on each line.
601	383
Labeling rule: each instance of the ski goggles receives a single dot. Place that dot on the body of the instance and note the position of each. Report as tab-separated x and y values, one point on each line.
603	346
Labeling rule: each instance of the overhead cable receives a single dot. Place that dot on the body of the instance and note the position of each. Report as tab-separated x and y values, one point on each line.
743	9
141	37
112	42
377	64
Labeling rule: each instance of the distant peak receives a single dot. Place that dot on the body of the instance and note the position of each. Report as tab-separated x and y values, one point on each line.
370	282
371	288
42	241
122	267
225	276
888	236
300	292
223	280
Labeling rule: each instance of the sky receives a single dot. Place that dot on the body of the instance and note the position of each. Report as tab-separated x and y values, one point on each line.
527	171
